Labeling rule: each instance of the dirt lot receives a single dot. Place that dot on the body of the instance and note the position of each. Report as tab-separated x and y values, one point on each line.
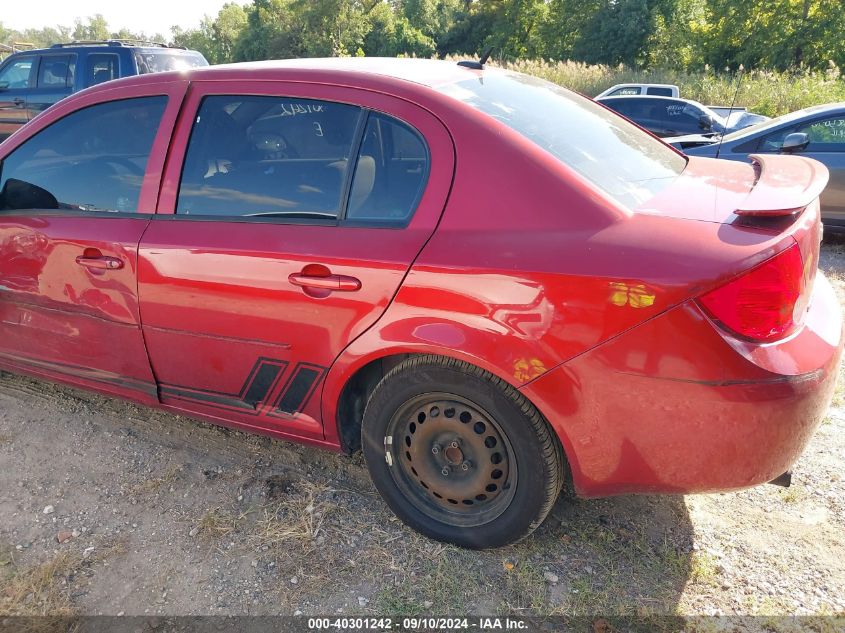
164	515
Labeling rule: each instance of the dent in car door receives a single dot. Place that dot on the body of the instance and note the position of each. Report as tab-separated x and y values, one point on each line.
75	198
243	315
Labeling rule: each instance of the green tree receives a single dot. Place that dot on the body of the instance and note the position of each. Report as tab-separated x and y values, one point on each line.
226	30
776	34
390	34
96	29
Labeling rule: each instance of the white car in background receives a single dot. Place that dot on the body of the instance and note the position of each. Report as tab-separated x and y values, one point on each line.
653	90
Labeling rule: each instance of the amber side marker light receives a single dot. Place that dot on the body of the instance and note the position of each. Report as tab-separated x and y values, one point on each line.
760	304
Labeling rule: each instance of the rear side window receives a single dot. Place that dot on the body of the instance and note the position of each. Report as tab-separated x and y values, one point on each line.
274	157
628	164
101	67
16	74
157	61
629	90
56	71
390	174
93	159
660	92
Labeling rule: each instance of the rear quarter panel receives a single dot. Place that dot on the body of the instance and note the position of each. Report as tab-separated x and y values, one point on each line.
531	266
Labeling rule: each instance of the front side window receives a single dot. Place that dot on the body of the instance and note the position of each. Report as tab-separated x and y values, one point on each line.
827	135
272	157
56	71
93	159
683	117
16	74
626	163
390	174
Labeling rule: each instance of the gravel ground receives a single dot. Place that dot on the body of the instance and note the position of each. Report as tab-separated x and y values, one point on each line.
162	515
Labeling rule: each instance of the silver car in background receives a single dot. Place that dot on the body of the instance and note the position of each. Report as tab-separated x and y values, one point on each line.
816	132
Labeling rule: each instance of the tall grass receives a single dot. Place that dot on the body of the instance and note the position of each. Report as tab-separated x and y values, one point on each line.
767	92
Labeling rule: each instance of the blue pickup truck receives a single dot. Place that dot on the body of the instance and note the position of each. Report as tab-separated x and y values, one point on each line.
33	80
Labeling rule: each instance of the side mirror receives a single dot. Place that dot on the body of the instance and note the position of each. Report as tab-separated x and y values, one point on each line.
705	122
17	194
4	85
795	142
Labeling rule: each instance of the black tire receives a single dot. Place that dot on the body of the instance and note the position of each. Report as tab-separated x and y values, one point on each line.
497	465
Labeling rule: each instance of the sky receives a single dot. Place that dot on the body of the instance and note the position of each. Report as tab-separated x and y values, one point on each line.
149	16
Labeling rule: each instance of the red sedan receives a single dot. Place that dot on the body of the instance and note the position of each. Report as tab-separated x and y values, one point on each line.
486	282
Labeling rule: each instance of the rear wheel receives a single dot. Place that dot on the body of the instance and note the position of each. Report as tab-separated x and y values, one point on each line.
458	454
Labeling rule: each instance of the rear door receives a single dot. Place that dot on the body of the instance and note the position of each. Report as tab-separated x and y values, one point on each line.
289	215
16	76
75	198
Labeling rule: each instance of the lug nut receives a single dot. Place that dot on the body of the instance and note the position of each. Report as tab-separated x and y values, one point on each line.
445	472
465	465
435	449
454	444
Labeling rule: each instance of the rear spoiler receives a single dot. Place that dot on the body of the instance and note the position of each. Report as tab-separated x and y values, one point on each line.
785	185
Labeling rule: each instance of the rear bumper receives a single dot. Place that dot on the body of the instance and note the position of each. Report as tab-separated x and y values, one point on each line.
676	406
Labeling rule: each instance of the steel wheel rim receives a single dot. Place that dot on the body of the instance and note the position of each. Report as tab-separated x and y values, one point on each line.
451	459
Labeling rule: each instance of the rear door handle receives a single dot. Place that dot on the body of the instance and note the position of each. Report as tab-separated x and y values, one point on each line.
340	283
18	102
101	263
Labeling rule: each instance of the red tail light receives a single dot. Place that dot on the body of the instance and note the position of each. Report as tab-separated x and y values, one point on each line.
763	304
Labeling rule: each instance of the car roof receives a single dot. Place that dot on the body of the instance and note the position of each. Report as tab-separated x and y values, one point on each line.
397	75
656	97
99	47
812	111
642	85
426	72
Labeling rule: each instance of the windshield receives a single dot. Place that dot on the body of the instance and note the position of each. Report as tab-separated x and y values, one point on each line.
626	163
157	61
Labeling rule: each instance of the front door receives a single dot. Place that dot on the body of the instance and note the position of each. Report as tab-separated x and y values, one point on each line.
75	199
288	218
15	78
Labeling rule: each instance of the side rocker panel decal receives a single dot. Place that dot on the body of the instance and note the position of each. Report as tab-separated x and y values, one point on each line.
260	385
298	390
262	379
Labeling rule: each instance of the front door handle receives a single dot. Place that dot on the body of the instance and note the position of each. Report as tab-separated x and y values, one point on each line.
340	283
100	262
18	102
